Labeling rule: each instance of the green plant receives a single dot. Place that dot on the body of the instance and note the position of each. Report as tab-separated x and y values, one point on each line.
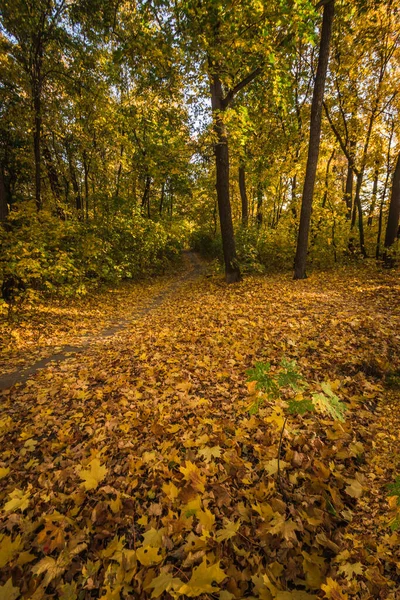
394	493
288	384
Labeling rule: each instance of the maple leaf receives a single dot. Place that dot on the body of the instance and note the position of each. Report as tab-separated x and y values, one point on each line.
209	453
165	582
8	591
228	532
19	501
328	403
201	580
148	555
8	548
4	471
355	488
333	590
50	567
193	475
92	476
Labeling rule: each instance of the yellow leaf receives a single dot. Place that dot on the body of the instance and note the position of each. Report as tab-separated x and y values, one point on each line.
4	471
209	453
153	537
8	591
355	489
148	556
8	548
277	417
170	490
92	476
193	475
19	501
229	531
333	590
272	466
163	583
51	569
206	519
201	580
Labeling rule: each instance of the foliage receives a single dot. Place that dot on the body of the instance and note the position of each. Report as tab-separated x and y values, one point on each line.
286	380
51	255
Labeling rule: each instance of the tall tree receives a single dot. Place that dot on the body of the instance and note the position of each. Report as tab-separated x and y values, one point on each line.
314	141
392	227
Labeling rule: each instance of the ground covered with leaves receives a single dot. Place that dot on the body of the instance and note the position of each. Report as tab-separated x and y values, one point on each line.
137	470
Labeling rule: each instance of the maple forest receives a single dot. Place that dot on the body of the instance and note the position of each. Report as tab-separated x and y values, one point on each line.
199	312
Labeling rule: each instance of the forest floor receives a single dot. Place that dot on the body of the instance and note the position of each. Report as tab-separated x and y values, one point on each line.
132	468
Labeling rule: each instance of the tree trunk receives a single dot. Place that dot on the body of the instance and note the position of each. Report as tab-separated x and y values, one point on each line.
146	195
37	101
243	195
3	197
55	185
232	271
357	205
162	199
314	142
259	215
348	194
374	196
86	183
392	227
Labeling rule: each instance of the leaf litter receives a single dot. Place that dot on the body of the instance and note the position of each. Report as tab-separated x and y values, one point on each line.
136	470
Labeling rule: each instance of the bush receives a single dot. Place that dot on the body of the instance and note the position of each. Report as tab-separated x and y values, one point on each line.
50	255
207	244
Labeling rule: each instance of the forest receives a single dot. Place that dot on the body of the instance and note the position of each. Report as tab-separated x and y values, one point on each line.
199	311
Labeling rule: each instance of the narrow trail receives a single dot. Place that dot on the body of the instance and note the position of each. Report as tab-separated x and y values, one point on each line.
19	376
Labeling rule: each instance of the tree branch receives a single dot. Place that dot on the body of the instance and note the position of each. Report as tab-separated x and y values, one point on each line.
248	79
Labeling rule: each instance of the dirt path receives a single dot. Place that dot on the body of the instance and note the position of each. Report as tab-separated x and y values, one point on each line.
194	268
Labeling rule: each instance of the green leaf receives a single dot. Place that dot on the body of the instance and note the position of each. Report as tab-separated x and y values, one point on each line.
394	489
329	404
300	407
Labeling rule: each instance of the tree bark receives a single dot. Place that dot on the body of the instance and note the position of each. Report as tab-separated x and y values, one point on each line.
52	174
3	197
348	194
162	198
259	214
243	195
374	196
392	227
358	207
232	271
314	142
37	101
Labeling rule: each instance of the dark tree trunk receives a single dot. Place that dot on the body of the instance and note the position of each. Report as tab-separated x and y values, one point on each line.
75	186
55	185
232	271
392	227
86	183
37	101
162	199
259	214
348	194
314	142
3	197
243	195
146	195
374	196
357	205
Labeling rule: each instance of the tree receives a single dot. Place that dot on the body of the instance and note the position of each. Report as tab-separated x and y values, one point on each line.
32	26
314	141
392	227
